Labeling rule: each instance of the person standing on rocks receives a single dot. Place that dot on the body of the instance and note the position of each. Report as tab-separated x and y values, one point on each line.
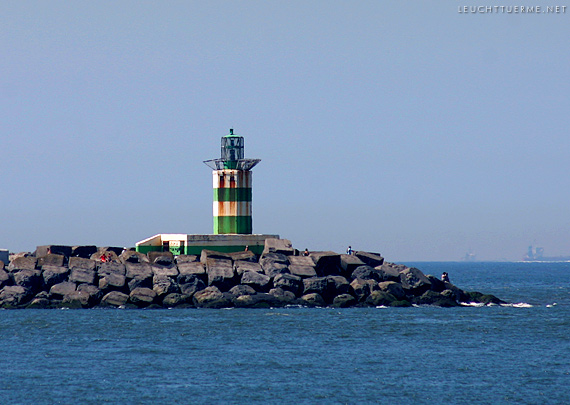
349	251
306	252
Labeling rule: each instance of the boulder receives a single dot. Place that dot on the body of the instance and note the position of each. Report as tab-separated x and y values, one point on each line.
22	263
257	281
486	299
380	298
414	281
337	285
163	258
139	283
189	270
174	300
281	246
112	281
114	299
362	288
130	256
82	263
273	269
211	297
344	301
39	303
301	261
58	291
51	259
79	275
436	299
186	259
138	271
317	285
83	252
165	271
212	254
220	273
242	266
78	299
393	288
312	300
241	289
12	296
4	278
289	282
285	297
42	251
436	284
303	271
259	300
349	263
458	294
191	287
142	296
388	272
29	279
269	258
111	268
371	259
95	293
367	273
326	263
54	275
244	256
163	285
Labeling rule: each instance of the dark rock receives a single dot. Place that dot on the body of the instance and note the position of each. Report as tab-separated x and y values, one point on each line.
142	296
174	300
29	279
212	254
380	298
78	299
42	251
115	299
244	256
349	263
313	300
39	303
54	275
387	272
362	288
83	252
344	301
79	275
367	273
163	285
211	297
22	263
112	281
401	304
371	259
242	290
220	273
13	296
138	271
161	258
130	256
139	283
289	282
414	281
338	285
242	266
165	271
480	298
187	269
4	278
186	259
317	285
58	291
273	269
259	300
51	260
111	268
326	263
458	294
95	293
436	284
393	288
285	297
301	261
191	288
302	271
280	246
435	299
82	263
269	258
259	282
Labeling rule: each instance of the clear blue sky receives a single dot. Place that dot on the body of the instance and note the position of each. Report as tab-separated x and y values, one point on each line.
405	128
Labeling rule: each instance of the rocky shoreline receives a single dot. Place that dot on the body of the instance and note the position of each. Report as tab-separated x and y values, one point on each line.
75	277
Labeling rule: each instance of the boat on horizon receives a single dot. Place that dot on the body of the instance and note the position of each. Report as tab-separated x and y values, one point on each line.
537	255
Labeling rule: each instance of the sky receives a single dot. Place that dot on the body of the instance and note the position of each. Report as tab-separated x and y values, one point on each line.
410	129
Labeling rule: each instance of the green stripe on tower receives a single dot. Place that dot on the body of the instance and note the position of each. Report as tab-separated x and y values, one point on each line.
229	224
232	194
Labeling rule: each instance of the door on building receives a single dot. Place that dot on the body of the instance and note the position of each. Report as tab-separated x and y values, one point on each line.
176	247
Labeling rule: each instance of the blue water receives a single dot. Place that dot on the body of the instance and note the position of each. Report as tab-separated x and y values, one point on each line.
485	355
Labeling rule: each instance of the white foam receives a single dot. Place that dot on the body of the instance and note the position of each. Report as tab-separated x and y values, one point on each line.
518	305
551	305
381	306
472	304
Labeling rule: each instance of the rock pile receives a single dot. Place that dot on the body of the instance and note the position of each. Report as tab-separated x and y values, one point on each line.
76	278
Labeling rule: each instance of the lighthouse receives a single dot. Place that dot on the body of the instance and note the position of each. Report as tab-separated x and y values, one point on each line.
232	187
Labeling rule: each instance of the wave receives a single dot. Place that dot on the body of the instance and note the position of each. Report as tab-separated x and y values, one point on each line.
518	305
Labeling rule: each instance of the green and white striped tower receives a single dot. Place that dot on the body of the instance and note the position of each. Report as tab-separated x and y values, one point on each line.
232	187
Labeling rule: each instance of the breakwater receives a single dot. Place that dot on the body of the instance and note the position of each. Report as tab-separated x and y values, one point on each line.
87	277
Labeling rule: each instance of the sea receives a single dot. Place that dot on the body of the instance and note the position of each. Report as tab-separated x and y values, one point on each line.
513	354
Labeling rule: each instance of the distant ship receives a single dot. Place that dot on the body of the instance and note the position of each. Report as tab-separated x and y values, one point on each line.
537	255
469	257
